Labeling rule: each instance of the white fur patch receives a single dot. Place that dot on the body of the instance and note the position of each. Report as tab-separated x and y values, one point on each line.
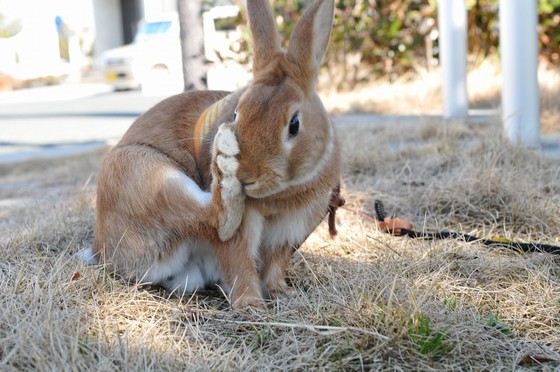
190	187
233	199
227	141
231	189
294	227
193	266
228	165
254	224
229	223
87	256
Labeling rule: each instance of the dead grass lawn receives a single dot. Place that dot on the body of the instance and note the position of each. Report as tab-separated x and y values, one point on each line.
363	301
421	94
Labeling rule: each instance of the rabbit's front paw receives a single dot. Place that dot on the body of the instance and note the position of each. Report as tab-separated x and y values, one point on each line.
225	150
226	140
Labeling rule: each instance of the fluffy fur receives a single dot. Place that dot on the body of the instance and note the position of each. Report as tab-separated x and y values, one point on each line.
234	213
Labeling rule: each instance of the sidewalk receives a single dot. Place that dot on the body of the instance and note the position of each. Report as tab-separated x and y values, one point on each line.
65	119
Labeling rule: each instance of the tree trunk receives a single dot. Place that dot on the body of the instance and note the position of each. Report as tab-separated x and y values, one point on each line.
192	43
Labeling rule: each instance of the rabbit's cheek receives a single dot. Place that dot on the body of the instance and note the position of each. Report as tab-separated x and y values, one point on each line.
266	187
259	190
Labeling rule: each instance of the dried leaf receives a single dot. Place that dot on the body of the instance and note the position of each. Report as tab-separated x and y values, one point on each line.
535	359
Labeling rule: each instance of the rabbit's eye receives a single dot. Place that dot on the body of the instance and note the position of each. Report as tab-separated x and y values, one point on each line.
234	115
293	130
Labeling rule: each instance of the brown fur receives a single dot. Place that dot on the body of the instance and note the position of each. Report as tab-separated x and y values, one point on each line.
142	217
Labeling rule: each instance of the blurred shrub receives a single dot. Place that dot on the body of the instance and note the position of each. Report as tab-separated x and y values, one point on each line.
391	37
483	31
484	35
370	37
9	26
549	30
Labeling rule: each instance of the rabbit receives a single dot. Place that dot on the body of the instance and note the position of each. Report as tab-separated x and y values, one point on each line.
219	188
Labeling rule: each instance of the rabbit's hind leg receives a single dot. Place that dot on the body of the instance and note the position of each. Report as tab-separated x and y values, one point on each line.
273	272
194	266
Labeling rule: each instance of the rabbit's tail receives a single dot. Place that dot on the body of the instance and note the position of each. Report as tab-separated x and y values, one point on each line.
87	256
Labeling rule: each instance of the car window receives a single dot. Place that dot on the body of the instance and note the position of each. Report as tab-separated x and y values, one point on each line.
150	30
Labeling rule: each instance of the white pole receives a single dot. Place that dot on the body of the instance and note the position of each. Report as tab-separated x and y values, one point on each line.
75	57
452	24
520	93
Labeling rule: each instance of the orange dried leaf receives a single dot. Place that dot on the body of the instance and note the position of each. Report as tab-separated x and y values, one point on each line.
535	359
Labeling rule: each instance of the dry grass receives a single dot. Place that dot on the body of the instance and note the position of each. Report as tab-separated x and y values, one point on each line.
421	94
363	301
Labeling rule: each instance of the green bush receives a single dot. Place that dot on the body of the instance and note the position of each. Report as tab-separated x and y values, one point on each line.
371	37
391	37
549	30
484	35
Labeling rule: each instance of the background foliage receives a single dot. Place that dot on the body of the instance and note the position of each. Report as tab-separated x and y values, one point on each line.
392	37
9	26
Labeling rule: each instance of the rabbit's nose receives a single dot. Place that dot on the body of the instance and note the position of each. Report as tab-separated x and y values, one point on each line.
245	179
244	175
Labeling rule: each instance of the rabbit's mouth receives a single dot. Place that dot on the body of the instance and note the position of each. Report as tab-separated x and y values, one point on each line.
259	190
255	190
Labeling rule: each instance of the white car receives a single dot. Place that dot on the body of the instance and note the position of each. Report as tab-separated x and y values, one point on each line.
152	61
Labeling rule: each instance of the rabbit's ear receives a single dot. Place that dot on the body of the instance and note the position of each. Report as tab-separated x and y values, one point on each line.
309	40
266	39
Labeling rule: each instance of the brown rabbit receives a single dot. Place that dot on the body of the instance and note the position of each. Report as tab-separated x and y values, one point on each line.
211	187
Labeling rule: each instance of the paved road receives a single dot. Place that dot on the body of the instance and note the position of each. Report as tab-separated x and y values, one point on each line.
65	119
